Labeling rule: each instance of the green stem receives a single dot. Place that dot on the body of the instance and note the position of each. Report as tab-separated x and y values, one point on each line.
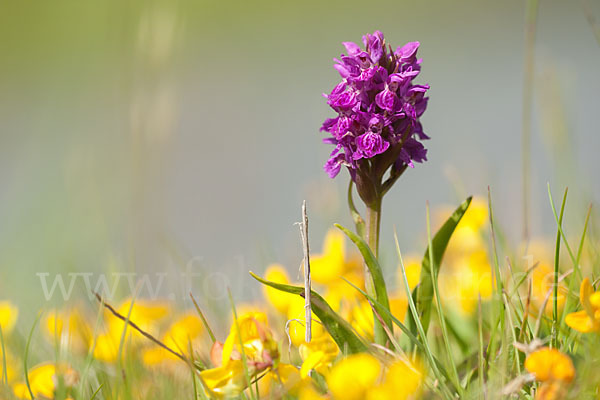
373	224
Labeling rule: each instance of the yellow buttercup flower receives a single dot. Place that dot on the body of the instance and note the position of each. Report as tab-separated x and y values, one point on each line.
318	355
296	326
106	347
8	316
588	319
68	326
542	281
352	378
228	379
402	381
185	330
145	313
548	364
328	266
225	381
278	299
43	379
281	381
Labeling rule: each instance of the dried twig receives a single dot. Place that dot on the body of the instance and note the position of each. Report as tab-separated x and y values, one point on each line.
140	330
307	281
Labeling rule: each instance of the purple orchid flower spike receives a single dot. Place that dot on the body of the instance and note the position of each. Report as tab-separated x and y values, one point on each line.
377	128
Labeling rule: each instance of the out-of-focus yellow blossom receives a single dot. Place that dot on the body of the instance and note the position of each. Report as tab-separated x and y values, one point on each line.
106	347
318	355
470	277
69	326
43	381
328	266
278	299
145	313
542	287
281	381
228	379
353	377
412	266
402	381
588	319
548	364
308	392
295	325
8	316
554	369
466	274
185	330
340	291
551	390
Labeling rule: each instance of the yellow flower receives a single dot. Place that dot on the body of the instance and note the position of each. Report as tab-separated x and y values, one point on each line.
68	326
281	381
548	364
278	299
412	266
468	278
8	316
185	330
588	319
43	379
402	381
228	379
308	392
352	378
145	313
296	328
328	266
225	381
542	279
106	347
317	355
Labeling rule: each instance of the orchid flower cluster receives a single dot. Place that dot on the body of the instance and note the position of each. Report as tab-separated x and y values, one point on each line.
378	108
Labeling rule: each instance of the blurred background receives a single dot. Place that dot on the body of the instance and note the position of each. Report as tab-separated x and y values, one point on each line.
163	136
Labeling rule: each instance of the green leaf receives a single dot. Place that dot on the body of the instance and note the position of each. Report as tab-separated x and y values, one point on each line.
438	247
339	329
381	294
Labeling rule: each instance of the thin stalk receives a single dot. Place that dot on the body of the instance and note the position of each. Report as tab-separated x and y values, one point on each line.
373	225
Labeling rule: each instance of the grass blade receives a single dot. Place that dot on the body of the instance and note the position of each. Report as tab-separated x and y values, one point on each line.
26	356
438	247
440	312
339	329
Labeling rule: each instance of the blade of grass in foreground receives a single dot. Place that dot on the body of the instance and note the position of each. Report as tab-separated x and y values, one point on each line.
26	356
554	337
417	322
339	329
438	247
440	312
404	329
571	289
